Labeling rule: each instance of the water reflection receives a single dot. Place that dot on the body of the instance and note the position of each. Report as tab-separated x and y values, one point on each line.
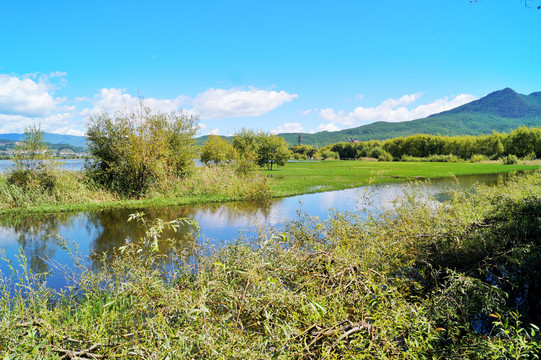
102	232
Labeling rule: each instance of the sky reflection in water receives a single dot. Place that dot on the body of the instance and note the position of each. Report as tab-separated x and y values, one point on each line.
99	232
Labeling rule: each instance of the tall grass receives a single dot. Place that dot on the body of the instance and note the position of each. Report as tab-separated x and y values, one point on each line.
72	188
216	180
421	281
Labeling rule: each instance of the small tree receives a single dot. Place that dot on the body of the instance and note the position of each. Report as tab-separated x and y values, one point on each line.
34	163
246	145
217	150
137	147
272	149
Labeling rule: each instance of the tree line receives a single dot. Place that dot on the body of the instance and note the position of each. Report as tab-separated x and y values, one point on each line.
522	142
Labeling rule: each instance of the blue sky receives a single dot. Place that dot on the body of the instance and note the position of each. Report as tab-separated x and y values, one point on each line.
268	65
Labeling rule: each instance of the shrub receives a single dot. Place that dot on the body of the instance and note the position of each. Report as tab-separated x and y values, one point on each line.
530	156
443	158
385	157
328	155
34	164
136	148
376	152
510	160
478	158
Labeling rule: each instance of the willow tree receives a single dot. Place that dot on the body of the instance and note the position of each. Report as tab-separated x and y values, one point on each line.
138	147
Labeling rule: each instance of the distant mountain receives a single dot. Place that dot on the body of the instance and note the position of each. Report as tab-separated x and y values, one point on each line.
78	141
501	111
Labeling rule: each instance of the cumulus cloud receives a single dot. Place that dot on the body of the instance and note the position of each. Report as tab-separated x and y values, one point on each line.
288	128
112	100
29	100
328	127
224	103
394	110
26	97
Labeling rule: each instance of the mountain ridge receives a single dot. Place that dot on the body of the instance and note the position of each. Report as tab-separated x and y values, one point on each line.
501	111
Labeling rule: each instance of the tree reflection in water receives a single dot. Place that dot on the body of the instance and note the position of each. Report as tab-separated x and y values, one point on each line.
98	234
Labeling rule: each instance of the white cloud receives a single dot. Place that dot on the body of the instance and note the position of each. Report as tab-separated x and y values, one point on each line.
26	97
328	127
289	128
112	100
214	131
394	110
29	100
224	103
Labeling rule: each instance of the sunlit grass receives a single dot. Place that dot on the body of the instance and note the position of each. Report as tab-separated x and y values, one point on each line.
305	177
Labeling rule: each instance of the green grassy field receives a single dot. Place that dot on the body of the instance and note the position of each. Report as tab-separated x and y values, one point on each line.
306	177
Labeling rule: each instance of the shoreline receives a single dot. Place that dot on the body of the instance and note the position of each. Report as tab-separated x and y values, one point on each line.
279	187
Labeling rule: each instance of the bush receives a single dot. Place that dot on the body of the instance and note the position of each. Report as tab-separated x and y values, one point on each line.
478	158
443	158
530	156
385	157
376	152
328	155
510	160
134	149
34	164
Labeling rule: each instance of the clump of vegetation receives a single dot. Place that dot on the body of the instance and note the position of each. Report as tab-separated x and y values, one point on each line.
422	280
259	148
136	148
510	160
329	155
217	150
224	181
385	156
478	158
37	179
443	158
34	164
306	151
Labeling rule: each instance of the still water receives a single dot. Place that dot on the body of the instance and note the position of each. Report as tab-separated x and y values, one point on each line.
99	232
66	164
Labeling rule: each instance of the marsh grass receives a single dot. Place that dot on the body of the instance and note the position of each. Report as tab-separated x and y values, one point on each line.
73	191
423	280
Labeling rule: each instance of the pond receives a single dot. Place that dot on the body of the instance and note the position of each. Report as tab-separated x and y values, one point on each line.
98	232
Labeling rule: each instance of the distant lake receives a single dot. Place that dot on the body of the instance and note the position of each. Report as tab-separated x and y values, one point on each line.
67	164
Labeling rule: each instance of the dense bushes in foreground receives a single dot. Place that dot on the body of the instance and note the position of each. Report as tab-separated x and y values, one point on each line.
423	280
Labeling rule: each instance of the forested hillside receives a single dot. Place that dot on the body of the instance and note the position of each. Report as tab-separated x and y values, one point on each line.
502	111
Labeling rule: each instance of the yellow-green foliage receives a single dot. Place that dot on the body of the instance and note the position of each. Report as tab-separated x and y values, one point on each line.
133	149
217	180
522	142
217	150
